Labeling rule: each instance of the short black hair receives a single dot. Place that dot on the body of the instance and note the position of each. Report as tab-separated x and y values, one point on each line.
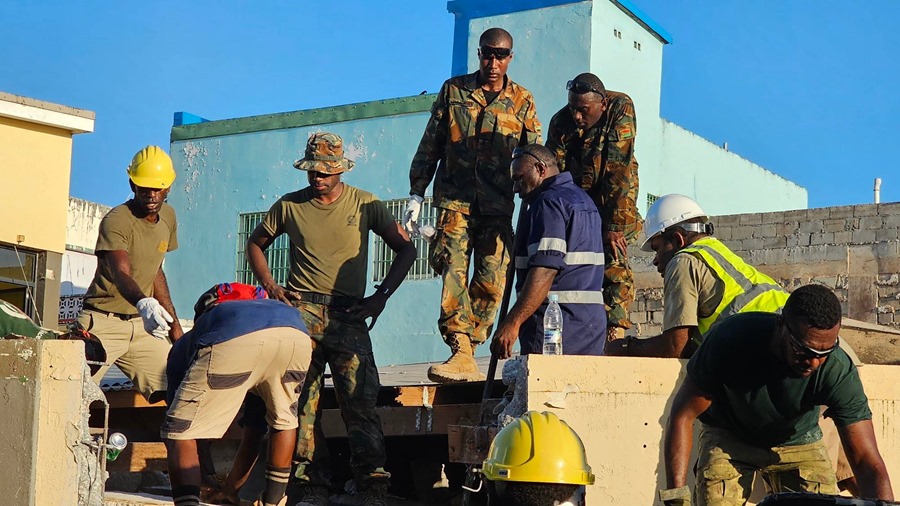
495	36
814	305
591	80
522	493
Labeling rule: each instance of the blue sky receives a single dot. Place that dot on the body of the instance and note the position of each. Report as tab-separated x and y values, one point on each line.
804	88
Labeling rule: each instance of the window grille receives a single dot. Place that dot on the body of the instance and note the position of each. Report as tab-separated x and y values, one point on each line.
651	199
278	253
383	255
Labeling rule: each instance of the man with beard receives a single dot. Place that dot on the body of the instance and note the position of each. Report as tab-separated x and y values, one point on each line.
127	306
756	385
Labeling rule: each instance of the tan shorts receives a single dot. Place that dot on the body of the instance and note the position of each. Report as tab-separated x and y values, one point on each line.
139	355
271	363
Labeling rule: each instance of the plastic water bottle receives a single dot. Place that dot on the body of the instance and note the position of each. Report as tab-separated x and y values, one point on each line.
553	327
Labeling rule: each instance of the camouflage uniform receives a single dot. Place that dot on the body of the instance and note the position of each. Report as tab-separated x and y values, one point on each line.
602	160
473	141
343	343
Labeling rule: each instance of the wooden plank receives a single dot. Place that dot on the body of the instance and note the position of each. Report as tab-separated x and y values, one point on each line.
129	399
409	420
140	457
415	395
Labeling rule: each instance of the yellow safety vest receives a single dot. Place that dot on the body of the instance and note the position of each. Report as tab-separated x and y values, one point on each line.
746	289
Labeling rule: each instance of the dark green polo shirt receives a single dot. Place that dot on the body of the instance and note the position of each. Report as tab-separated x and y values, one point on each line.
756	399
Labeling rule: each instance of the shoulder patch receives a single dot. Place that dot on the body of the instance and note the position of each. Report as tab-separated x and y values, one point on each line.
625	132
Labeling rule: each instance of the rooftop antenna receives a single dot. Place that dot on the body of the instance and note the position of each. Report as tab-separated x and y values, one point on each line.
877	190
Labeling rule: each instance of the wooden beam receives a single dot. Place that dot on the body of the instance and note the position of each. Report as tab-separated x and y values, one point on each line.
409	420
129	399
138	457
415	395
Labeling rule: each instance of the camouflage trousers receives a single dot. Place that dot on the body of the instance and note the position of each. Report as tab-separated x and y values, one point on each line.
342	342
726	465
618	282
469	307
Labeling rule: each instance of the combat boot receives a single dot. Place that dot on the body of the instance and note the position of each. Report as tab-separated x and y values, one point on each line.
460	366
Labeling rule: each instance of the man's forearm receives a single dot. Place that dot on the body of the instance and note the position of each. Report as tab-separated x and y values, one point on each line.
537	285
161	293
678	444
669	344
259	265
403	261
875	483
119	266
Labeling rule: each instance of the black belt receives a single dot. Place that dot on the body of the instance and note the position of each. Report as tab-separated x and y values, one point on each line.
121	316
326	300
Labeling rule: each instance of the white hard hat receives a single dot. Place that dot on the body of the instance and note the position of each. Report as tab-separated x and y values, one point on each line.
669	210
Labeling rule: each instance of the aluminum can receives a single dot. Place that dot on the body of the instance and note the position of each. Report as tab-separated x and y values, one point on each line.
114	445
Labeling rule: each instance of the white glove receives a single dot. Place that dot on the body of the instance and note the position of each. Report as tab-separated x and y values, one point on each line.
156	318
411	216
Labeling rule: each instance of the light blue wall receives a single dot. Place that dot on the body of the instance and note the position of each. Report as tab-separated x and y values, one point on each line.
637	72
221	177
722	182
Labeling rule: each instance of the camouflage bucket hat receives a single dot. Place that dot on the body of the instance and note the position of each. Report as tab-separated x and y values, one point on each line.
324	153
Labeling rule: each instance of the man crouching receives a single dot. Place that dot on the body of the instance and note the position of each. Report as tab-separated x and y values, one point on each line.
242	342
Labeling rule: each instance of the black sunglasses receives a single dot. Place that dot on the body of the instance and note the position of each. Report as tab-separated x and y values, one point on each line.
805	351
500	53
521	152
581	88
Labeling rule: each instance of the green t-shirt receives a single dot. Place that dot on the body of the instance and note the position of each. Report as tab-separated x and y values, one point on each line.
146	244
755	398
329	243
14	321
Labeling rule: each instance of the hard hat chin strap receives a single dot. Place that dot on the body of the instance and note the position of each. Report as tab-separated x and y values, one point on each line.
700	228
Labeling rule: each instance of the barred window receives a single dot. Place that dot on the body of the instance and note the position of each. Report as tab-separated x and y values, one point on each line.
278	254
651	199
383	255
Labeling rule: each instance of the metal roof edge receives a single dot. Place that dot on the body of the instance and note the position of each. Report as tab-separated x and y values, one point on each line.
295	119
644	20
472	9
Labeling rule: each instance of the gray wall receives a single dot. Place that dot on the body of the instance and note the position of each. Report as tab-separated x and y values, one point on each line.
854	250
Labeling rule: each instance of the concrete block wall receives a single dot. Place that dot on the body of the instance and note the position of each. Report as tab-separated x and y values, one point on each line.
854	250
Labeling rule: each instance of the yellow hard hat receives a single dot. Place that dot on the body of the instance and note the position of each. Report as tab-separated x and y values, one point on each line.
540	448
151	167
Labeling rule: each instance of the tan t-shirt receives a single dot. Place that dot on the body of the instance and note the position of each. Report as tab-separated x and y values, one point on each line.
691	290
329	243
146	244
